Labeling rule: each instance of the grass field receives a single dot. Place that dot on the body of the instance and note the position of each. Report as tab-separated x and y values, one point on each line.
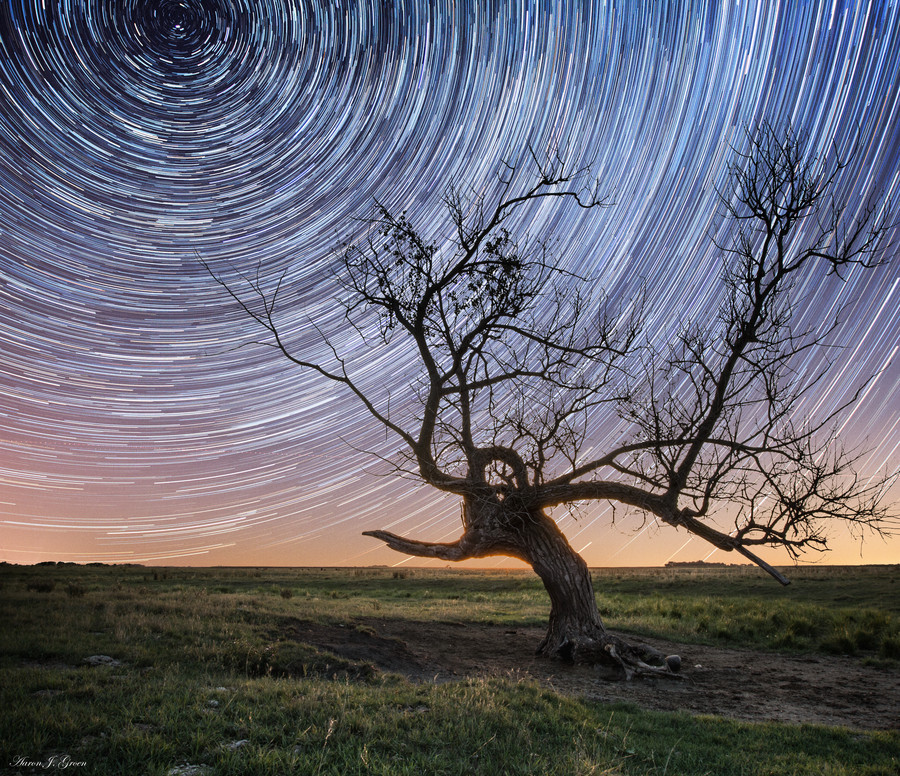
200	685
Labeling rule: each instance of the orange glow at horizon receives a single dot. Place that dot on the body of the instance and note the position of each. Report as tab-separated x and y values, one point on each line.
340	546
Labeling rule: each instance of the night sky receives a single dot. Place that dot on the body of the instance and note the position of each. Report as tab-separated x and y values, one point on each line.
137	137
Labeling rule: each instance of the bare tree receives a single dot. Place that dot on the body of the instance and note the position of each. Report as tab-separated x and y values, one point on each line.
513	362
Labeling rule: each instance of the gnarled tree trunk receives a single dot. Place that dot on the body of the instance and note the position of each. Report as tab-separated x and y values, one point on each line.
574	618
575	631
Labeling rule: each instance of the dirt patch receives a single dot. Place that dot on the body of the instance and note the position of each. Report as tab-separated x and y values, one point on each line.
741	684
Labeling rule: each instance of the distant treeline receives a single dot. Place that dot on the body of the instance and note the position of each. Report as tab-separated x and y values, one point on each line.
72	563
695	564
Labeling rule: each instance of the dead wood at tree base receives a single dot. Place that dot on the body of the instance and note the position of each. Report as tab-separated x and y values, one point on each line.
633	659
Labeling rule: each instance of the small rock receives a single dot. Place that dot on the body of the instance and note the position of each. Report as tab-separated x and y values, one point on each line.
238	744
213	703
674	663
188	770
101	660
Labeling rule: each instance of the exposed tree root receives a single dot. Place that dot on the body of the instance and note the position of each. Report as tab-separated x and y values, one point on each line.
606	648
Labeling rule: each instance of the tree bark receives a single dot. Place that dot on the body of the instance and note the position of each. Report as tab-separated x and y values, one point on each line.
575	621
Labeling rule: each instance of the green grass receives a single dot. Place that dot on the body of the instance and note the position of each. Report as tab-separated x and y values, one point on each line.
393	727
833	610
204	679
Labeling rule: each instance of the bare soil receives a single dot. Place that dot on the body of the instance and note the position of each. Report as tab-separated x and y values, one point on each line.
735	683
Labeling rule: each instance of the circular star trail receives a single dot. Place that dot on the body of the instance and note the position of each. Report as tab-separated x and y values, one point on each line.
142	140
